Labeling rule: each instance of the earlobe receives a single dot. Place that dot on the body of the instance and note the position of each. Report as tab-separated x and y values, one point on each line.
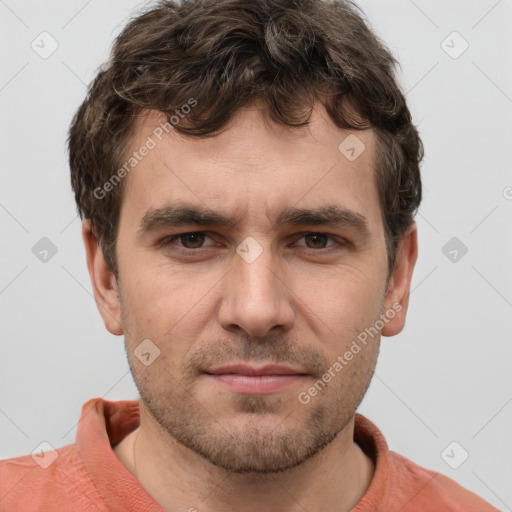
103	282
397	295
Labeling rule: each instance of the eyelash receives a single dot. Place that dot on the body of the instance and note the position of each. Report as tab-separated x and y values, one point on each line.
341	243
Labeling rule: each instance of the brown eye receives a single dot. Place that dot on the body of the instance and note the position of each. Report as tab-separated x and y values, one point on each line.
189	241
318	240
192	240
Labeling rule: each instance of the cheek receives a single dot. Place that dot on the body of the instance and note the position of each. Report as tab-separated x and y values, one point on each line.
166	305
152	283
344	302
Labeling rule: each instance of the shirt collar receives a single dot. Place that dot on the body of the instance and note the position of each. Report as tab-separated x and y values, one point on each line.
103	424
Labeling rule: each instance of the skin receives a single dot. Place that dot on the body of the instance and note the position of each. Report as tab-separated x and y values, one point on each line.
302	301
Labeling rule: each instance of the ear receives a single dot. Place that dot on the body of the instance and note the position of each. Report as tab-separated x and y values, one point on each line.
397	294
103	282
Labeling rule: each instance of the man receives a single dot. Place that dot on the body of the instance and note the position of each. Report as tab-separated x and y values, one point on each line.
247	174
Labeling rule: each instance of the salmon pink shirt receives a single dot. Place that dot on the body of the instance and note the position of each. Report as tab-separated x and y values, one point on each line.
87	476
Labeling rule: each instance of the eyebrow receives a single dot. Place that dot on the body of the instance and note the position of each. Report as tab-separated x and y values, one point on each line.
188	214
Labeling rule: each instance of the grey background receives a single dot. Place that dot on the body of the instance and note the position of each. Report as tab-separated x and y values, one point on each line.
447	377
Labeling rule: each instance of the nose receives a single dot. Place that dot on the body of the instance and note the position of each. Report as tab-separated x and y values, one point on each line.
257	297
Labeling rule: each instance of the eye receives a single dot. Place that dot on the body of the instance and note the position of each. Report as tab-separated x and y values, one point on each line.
319	240
193	241
189	240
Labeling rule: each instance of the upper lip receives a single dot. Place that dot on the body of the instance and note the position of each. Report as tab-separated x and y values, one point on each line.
244	369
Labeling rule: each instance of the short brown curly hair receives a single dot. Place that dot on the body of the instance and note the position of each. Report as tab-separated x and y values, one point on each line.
227	54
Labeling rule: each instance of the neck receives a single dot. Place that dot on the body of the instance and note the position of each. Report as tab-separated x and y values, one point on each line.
179	479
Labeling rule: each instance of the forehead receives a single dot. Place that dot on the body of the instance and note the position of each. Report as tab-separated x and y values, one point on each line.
253	165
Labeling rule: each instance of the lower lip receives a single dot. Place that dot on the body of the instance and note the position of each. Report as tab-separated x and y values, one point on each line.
256	384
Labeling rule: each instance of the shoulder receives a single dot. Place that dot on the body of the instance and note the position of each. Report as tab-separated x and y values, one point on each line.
424	489
400	484
49	480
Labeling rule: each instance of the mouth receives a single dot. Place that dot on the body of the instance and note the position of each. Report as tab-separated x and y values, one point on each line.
250	380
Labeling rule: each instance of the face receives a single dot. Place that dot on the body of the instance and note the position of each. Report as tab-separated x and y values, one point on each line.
260	246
